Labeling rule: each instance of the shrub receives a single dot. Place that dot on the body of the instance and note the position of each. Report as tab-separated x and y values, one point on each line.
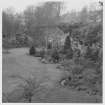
49	45
77	70
15	95
55	56
25	90
69	54
42	53
32	51
85	73
67	44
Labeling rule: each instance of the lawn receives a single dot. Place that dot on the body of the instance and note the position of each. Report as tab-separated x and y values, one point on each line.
18	62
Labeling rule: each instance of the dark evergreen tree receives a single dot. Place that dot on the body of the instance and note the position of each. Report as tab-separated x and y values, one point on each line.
67	44
32	51
49	45
67	48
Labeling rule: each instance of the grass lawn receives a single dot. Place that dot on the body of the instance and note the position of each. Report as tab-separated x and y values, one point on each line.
19	62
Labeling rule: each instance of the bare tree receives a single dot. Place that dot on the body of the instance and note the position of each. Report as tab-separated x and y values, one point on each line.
41	17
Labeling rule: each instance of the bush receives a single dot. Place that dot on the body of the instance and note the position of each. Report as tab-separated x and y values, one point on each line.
86	69
13	43
24	91
32	51
67	44
69	54
55	56
85	75
77	70
42	53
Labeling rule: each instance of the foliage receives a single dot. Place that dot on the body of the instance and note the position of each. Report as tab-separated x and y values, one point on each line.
23	91
84	75
86	70
39	18
32	51
40	53
67	48
84	27
12	24
84	15
69	54
55	56
67	43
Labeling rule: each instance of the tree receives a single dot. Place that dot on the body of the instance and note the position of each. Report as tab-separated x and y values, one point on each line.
12	24
32	51
67	44
84	15
39	18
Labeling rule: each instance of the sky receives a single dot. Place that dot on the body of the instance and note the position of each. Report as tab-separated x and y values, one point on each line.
20	5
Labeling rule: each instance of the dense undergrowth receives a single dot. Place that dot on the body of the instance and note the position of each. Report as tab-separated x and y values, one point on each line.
85	68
